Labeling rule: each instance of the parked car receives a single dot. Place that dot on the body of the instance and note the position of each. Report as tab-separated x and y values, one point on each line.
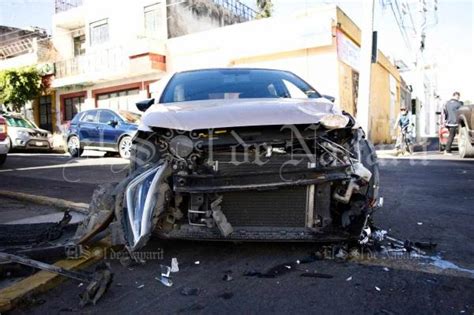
4	142
23	134
103	130
466	131
245	154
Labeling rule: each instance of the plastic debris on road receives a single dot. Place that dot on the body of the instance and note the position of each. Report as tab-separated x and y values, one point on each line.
377	288
164	277
349	279
174	265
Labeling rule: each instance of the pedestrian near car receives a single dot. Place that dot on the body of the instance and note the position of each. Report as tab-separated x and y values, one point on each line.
403	122
450	109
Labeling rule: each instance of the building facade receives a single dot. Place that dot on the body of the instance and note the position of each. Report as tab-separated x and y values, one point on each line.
110	54
321	45
110	51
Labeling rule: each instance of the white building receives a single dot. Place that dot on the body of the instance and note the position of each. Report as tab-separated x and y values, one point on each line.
109	51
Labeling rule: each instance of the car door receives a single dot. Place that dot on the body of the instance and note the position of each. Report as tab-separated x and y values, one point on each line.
109	129
89	129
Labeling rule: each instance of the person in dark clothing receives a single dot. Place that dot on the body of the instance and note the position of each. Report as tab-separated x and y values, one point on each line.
450	109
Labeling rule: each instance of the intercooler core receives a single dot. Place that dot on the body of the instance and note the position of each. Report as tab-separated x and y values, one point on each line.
285	207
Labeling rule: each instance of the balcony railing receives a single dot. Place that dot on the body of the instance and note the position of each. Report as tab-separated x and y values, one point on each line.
64	5
105	61
237	8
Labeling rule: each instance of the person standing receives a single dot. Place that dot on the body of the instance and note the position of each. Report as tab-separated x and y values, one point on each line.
450	109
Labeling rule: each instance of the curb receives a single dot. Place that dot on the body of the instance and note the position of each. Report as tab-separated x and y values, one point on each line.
47	201
42	281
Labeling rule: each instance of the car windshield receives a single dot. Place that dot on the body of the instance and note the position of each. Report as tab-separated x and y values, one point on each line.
19	122
235	84
132	118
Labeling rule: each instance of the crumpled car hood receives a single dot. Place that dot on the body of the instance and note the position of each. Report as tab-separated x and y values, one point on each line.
236	113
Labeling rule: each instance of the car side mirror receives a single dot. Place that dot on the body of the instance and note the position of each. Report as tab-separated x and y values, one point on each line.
113	123
329	97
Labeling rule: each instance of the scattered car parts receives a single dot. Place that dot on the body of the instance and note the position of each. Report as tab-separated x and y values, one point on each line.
98	282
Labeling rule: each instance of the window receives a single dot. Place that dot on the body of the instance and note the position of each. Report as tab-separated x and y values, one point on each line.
152	16
89	116
293	90
45	112
235	83
120	100
72	106
105	116
79	45
99	32
19	122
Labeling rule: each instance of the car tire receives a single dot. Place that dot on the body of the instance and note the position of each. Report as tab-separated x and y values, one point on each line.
125	147
74	147
466	149
3	158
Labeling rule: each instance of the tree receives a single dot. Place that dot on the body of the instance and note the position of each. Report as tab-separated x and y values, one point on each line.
265	8
18	86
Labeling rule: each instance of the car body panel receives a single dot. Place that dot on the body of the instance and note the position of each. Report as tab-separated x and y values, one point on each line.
197	115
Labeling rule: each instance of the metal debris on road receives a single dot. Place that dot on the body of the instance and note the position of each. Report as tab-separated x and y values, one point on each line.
98	282
141	286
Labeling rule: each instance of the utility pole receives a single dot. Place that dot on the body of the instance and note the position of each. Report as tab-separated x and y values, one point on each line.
363	102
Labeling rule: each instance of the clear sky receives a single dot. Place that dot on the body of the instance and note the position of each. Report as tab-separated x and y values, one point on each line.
449	44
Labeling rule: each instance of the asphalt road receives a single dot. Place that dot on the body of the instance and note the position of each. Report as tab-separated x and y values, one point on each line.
429	198
58	175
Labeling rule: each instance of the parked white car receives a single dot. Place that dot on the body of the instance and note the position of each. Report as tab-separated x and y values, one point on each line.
25	135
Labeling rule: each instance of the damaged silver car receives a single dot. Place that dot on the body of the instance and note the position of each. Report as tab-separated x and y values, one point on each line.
246	154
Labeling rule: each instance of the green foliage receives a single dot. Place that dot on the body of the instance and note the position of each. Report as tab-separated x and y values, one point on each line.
18	86
265	8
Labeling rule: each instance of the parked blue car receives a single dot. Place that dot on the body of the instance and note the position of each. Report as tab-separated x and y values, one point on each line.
103	130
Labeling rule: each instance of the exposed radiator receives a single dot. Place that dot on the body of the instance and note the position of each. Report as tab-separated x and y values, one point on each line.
277	208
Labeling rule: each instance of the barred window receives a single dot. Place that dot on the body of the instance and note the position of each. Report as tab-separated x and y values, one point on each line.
152	16
99	32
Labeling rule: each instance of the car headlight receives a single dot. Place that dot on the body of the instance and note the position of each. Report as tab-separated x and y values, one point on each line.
22	134
334	121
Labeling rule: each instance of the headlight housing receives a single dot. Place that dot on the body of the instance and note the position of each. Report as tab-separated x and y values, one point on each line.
334	121
22	134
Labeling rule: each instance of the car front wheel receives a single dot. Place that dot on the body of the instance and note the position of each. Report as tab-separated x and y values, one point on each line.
74	147
466	149
125	146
